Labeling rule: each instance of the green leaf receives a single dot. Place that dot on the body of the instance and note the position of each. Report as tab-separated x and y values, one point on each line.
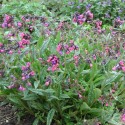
36	121
37	91
64	96
49	91
14	99
39	43
30	97
115	119
97	93
44	46
50	116
112	78
67	107
36	84
91	95
52	97
84	106
36	105
58	37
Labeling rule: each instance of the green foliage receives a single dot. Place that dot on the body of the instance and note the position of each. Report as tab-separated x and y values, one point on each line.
73	84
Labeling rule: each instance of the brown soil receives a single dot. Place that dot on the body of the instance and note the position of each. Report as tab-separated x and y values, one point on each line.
8	116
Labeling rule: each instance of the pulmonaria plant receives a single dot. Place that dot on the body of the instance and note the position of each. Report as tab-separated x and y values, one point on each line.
25	40
60	25
54	63
98	25
118	22
66	48
27	73
12	45
81	18
8	48
8	21
89	15
119	67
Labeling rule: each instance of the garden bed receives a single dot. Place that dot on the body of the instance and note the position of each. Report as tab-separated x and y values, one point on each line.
62	63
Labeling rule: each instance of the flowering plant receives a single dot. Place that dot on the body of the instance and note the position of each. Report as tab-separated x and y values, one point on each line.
60	72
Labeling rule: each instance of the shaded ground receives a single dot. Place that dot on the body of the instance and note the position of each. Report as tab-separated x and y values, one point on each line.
8	116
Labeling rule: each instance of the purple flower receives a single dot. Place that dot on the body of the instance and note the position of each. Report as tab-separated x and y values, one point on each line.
21	88
11	86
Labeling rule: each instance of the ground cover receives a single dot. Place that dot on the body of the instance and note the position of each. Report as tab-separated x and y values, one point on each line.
62	63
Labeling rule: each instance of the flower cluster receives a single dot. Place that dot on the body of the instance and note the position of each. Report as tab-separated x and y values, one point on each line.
66	47
19	87
2	50
88	61
81	18
28	18
118	22
120	66
19	24
98	25
76	59
60	25
89	15
48	81
54	61
30	28
8	21
25	40
9	48
27	72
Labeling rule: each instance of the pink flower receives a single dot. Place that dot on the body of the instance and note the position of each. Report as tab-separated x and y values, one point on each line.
21	88
46	24
19	24
32	73
80	96
98	123
22	35
113	91
28	64
123	118
2	50
10	52
54	67
11	86
91	65
20	43
27	20
106	104
9	25
29	84
123	68
94	57
23	68
40	59
49	59
121	63
23	78
59	47
114	68
1	44
19	52
47	83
